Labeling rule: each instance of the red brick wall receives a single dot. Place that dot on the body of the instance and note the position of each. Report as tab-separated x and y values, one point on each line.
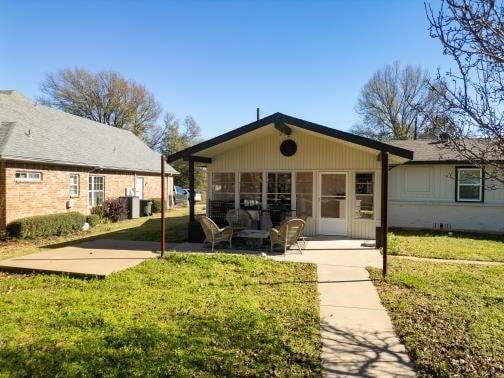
2	194
24	199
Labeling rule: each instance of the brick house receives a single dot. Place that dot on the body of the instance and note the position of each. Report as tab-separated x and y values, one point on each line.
53	162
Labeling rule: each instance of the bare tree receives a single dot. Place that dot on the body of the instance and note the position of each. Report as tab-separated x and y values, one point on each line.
393	102
105	97
472	96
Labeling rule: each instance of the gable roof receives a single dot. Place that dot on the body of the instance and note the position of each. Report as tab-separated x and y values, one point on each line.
282	119
36	133
434	151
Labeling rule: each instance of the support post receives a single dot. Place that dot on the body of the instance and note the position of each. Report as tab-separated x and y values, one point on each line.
163	206
191	190
384	206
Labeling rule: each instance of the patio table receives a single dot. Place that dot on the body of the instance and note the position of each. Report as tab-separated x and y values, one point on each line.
253	237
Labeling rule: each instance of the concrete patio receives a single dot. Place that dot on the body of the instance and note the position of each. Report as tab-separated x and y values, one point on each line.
97	258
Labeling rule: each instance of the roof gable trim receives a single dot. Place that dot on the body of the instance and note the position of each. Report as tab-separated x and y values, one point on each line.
279	118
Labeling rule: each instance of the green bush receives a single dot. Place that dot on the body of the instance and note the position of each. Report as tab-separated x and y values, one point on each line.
93	220
46	225
98	210
145	208
156	205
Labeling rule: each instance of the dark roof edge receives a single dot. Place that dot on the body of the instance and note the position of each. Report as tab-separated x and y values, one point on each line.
276	117
451	161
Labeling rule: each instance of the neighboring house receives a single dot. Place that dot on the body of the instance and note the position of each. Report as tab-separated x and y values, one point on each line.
53	162
439	189
328	177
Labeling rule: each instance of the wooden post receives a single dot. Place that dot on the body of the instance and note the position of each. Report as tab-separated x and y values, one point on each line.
384	206
163	205
191	190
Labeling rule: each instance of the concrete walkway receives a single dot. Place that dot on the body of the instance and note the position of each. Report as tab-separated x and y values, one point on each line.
97	258
357	335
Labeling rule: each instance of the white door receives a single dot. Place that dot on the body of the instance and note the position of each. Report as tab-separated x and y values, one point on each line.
139	185
333	204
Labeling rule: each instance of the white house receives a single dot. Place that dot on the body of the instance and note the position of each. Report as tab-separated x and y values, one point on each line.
331	178
439	189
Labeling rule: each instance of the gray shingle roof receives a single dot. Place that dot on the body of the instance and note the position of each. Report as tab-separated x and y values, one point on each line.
435	151
33	132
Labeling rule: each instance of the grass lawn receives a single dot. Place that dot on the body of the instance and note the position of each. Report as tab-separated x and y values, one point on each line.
144	228
439	245
183	315
450	316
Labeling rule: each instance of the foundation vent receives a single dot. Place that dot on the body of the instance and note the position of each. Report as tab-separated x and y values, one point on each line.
442	226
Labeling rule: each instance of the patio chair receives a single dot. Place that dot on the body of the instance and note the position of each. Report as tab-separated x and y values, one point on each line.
214	234
288	234
239	219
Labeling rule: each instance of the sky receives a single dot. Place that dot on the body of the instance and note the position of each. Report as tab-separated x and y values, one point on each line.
220	60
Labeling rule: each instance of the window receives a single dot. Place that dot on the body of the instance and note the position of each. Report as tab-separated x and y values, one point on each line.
28	176
74	185
279	189
223	186
250	189
364	195
304	194
469	185
96	190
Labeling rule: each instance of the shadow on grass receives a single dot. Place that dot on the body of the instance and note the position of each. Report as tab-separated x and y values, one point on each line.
197	346
150	230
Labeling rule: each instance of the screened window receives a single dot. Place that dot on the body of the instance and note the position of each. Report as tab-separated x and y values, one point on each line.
304	194
223	186
28	176
250	189
74	185
280	188
364	195
96	190
469	185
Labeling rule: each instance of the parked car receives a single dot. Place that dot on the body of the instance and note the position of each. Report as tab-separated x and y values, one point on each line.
180	194
197	195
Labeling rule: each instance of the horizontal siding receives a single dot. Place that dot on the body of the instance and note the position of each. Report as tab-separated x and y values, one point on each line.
430	183
313	153
461	216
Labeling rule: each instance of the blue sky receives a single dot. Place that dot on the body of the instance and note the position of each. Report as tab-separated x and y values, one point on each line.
219	60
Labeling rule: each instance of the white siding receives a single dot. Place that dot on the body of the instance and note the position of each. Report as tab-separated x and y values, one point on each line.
422	195
314	154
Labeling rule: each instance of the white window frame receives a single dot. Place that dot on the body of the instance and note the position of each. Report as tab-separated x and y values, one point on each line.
93	191
37	176
77	185
458	184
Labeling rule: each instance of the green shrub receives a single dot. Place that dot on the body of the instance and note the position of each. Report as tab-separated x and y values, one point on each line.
93	220
156	205
115	209
46	225
145	208
98	210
